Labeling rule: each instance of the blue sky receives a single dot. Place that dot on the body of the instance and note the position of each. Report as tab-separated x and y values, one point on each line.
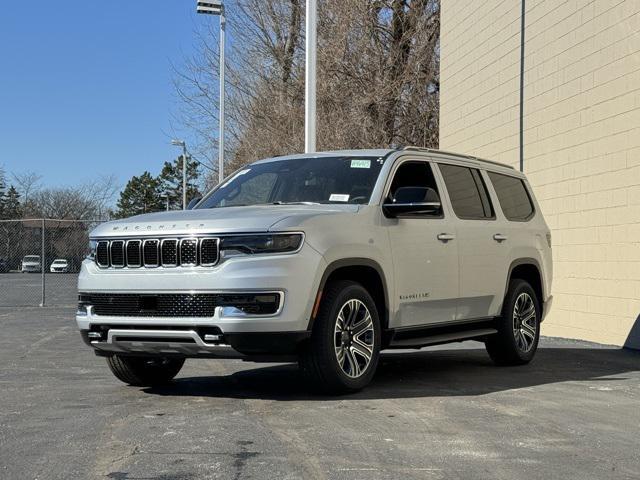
86	86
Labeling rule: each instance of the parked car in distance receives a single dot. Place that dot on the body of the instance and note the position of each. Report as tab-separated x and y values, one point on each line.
31	264
59	265
324	259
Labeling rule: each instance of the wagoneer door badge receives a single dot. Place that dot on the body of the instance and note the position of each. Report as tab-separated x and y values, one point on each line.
415	296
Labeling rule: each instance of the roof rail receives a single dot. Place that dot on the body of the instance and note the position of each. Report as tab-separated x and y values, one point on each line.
459	155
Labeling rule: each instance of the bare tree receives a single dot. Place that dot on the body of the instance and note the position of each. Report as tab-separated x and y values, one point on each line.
27	183
378	78
90	201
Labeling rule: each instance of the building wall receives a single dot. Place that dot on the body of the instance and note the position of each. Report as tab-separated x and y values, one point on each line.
581	139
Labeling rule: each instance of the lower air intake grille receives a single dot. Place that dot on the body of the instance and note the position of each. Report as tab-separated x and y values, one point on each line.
166	305
179	304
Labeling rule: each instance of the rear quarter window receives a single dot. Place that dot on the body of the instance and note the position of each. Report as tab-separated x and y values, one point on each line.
514	199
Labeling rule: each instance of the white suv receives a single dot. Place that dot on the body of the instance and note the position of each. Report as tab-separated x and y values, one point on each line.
324	259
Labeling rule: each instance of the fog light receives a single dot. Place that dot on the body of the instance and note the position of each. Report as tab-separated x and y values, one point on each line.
241	305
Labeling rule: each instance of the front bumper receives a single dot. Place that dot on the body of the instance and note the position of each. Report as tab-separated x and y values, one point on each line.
296	276
193	342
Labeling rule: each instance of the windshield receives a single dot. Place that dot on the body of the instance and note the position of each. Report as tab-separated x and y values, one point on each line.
304	180
31	258
57	262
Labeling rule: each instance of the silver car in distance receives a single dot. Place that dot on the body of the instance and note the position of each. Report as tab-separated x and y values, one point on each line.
324	260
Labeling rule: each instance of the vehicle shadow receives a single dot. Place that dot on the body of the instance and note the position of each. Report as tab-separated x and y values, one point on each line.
435	373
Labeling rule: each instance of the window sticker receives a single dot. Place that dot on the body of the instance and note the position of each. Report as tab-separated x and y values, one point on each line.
360	163
339	197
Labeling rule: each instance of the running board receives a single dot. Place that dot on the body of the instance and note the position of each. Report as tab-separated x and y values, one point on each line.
419	342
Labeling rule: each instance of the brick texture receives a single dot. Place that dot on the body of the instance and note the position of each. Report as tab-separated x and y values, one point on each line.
581	139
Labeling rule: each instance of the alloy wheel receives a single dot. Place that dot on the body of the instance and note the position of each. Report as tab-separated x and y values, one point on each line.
354	338
525	322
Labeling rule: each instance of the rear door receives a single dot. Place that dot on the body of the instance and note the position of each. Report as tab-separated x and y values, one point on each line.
482	254
425	254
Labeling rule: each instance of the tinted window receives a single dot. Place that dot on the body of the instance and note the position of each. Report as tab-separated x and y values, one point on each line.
467	191
414	174
513	197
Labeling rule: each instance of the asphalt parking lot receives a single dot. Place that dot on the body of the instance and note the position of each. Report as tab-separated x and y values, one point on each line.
444	413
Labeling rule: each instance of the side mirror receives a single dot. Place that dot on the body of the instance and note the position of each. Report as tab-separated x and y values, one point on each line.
413	201
193	202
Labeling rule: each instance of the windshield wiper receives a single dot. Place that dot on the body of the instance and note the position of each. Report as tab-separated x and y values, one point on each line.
295	203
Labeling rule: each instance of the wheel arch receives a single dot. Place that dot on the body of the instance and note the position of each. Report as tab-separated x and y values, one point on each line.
528	269
365	271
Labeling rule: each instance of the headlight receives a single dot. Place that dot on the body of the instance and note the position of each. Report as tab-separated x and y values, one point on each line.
252	244
92	250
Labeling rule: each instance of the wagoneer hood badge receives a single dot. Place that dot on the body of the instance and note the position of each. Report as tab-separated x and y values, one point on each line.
219	220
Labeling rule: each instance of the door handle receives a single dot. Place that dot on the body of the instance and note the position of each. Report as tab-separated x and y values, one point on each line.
498	237
445	237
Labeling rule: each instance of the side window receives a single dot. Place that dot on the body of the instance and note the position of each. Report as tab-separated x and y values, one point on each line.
513	197
414	174
467	191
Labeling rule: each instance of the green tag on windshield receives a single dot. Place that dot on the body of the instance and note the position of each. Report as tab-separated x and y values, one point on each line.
360	163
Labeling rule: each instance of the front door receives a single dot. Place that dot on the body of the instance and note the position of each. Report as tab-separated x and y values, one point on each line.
425	255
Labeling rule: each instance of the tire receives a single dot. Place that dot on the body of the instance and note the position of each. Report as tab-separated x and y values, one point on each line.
144	372
519	326
335	359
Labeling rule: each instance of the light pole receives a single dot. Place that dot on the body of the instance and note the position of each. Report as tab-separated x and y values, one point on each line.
310	77
183	144
216	7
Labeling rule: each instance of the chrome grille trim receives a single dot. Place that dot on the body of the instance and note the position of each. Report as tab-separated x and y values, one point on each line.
154	247
191	251
102	253
176	252
117	254
184	249
131	245
205	254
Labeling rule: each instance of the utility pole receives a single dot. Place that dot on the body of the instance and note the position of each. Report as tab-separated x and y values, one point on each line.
216	7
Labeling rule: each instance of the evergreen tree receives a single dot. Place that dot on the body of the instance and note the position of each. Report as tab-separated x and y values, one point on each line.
171	182
141	195
10	207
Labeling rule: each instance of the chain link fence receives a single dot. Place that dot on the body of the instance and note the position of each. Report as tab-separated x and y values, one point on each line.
40	260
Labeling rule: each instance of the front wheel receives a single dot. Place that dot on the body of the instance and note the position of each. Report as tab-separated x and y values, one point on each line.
519	326
343	352
144	372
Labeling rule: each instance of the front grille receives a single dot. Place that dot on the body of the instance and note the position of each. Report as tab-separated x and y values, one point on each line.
178	304
134	257
208	251
117	253
169	252
102	254
151	253
188	251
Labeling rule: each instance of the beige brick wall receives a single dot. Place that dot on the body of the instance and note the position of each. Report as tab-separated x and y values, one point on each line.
581	138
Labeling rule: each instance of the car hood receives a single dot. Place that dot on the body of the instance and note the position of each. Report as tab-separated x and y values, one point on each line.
250	219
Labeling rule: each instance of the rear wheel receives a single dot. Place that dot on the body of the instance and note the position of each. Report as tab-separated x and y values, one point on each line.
144	372
343	353
519	327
